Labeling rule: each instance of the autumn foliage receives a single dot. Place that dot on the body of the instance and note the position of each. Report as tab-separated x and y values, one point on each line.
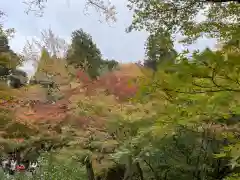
119	83
30	106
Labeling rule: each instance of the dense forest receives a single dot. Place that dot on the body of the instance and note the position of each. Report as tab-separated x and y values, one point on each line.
84	117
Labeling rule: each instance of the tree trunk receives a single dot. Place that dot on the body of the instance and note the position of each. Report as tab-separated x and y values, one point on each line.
140	172
129	169
89	169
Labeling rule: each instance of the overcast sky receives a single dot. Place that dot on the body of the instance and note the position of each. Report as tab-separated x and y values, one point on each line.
63	17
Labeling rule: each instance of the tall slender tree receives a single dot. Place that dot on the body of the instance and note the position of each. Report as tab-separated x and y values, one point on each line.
84	53
159	49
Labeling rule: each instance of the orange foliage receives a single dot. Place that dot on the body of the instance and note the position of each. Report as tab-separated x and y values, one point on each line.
118	83
42	112
115	83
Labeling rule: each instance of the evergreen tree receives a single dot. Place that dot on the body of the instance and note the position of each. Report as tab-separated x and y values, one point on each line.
84	53
159	49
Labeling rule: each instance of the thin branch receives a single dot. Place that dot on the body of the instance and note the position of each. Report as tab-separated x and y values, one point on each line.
38	6
151	168
201	92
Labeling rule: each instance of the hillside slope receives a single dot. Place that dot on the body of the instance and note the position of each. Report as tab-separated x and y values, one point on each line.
77	123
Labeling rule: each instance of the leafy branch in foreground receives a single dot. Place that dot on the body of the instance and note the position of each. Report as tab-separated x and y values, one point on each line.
187	133
192	19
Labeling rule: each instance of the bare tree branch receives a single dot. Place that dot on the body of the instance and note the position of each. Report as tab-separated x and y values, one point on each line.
103	7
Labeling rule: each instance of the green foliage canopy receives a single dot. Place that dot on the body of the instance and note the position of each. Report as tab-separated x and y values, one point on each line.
219	19
159	50
84	53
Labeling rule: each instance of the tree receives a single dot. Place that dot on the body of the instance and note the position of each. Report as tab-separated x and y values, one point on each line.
45	63
181	127
53	51
159	49
180	17
4	47
8	58
56	46
107	66
111	64
103	7
84	53
9	61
